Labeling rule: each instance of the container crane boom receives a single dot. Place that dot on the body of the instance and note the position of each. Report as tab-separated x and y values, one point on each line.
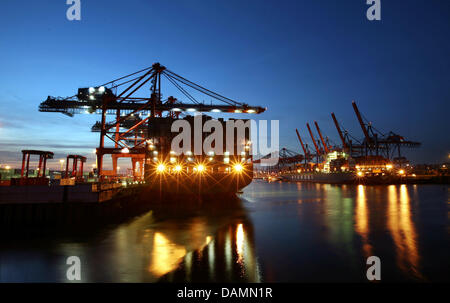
344	144
314	140
358	115
325	146
301	142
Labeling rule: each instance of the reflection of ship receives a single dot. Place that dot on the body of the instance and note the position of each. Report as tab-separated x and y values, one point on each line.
228	257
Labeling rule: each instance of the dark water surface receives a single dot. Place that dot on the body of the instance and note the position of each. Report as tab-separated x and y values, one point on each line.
277	232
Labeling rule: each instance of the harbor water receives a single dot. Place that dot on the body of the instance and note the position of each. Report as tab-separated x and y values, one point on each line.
274	232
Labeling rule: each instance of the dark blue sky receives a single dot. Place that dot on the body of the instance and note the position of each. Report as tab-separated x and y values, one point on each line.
301	59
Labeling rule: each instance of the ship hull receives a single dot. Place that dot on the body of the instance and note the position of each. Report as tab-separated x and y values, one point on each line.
198	184
344	178
332	178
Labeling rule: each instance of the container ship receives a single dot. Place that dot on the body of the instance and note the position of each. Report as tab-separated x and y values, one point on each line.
141	130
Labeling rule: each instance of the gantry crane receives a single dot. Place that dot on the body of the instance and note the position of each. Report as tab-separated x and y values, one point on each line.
379	144
133	114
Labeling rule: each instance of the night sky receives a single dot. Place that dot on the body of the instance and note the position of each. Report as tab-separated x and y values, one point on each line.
300	59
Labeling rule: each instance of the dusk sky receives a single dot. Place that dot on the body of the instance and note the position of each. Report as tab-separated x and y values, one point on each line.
301	59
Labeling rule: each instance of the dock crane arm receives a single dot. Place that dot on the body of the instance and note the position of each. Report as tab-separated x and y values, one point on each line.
314	140
344	144
358	115
301	142
325	146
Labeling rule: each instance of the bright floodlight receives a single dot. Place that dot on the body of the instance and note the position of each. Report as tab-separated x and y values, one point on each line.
178	168
91	90
238	168
101	89
160	168
200	168
125	151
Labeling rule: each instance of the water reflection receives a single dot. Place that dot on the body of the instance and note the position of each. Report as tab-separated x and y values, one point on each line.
278	232
338	211
165	255
402	230
229	257
362	220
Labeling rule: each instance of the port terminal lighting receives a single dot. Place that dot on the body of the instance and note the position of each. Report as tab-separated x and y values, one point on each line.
401	172
251	111
125	151
178	168
101	89
216	110
191	110
160	168
91	90
238	168
359	174
200	168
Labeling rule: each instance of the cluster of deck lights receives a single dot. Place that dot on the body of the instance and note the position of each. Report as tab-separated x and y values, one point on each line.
199	168
174	166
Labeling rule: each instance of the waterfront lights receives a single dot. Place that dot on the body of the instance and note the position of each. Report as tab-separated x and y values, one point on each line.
359	174
7	167
178	168
160	168
238	168
388	166
401	172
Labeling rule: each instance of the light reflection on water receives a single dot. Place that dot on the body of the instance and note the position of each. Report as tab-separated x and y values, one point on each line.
402	230
294	232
